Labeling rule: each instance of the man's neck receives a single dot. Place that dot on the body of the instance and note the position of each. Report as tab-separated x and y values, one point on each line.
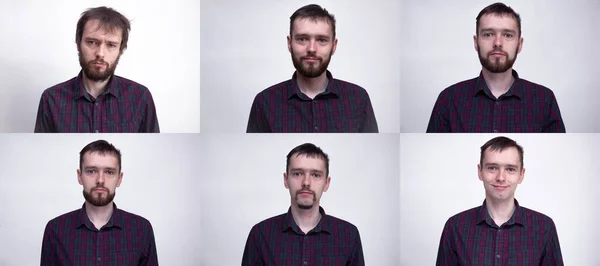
500	211
99	216
95	88
306	219
312	86
498	83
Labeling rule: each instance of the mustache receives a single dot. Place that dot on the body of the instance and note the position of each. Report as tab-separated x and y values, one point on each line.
98	62
498	51
311	56
305	190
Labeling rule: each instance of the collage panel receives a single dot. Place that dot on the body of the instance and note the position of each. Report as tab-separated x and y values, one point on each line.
246	197
525	71
154	216
450	207
99	77
347	79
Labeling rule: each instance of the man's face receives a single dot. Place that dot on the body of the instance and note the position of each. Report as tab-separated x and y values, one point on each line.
100	176
501	172
311	46
99	51
497	42
306	179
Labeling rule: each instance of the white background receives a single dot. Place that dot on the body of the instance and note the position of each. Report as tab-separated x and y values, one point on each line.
244	51
560	51
242	180
38	177
439	180
38	51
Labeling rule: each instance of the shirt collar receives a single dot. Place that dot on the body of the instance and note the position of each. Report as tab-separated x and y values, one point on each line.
113	85
323	225
294	90
116	219
515	89
518	217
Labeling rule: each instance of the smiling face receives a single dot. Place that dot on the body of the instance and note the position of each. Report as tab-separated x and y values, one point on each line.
501	172
99	50
306	179
100	176
497	42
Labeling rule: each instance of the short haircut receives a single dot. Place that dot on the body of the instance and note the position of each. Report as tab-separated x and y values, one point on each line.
499	144
109	19
308	150
499	9
101	147
313	13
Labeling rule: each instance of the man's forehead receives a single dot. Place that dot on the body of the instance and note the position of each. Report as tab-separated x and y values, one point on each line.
498	19
94	28
505	154
99	156
310	23
306	158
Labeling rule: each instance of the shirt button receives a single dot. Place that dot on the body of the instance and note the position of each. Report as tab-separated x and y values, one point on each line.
316	128
99	259
96	131
305	263
96	104
498	256
495	131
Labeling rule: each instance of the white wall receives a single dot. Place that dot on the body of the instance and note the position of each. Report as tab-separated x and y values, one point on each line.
560	51
439	179
244	51
38	51
39	182
242	184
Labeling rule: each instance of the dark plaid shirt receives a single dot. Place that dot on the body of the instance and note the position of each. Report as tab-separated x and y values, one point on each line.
342	108
469	106
279	241
125	107
472	238
72	239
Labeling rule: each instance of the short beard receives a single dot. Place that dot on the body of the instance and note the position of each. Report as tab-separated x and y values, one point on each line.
496	67
311	71
98	201
91	74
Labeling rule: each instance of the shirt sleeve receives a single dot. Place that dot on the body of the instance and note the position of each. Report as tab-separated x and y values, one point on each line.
150	119
556	124
357	258
150	256
437	122
257	121
369	124
446	255
43	122
48	256
251	255
552	254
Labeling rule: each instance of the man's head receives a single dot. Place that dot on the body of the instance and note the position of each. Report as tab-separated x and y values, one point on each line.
498	37
307	175
99	172
312	40
101	37
501	168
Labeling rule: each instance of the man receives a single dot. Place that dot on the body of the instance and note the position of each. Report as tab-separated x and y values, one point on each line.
500	232
99	233
498	100
97	100
312	101
305	235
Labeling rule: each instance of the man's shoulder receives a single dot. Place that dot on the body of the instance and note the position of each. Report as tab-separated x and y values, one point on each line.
460	88
64	86
271	222
535	217
340	224
69	217
133	218
533	87
348	87
126	83
279	88
470	214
